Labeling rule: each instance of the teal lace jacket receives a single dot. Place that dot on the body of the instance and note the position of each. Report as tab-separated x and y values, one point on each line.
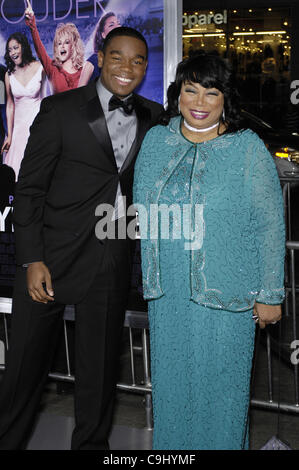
237	257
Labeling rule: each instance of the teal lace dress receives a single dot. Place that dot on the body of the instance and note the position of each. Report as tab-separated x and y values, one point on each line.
200	300
200	357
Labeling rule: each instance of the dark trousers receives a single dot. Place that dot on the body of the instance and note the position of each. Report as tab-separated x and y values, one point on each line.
34	334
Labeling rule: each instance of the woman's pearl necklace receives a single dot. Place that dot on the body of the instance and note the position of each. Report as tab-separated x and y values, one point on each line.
194	129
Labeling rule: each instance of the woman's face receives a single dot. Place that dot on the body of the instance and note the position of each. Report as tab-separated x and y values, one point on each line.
15	51
64	48
201	107
111	23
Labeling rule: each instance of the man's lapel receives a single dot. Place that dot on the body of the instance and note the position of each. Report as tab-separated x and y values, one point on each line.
97	122
143	123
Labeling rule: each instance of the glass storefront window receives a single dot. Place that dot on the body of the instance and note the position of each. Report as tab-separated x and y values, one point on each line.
257	42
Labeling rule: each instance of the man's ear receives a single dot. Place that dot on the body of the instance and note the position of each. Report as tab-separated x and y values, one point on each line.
100	59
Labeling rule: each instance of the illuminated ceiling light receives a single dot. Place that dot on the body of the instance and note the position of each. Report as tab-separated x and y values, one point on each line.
285	23
192	35
237	27
270	32
214	34
245	33
269	9
250	11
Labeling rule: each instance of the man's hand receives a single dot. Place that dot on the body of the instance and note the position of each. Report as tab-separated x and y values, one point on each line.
267	313
37	274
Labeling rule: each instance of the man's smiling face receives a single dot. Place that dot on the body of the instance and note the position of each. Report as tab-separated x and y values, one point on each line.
123	65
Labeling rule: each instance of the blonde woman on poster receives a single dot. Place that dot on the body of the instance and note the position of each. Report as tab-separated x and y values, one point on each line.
67	70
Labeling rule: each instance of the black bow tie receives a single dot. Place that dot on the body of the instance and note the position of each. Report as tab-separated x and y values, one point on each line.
127	105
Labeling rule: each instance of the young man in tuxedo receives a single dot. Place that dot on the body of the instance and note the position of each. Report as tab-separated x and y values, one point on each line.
80	154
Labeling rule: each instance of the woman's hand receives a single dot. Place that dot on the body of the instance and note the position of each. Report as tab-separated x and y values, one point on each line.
267	314
29	13
6	145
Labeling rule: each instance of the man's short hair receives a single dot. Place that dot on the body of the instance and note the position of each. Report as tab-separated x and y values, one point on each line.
124	31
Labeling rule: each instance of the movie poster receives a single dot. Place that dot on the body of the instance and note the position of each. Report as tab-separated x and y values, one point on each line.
20	99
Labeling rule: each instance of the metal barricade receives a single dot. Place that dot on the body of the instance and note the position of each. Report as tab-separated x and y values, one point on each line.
284	350
133	320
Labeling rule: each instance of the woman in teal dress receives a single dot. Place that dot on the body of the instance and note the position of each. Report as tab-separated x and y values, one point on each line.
212	238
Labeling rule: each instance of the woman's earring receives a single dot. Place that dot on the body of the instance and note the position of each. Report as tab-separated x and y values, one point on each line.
223	115
179	108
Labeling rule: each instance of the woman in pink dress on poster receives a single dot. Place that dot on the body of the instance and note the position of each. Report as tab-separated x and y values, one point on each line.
67	70
24	83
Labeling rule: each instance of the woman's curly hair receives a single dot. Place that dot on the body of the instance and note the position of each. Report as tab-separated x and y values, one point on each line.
210	71
27	56
70	30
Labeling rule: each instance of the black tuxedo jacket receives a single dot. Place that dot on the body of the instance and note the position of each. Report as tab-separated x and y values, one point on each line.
69	169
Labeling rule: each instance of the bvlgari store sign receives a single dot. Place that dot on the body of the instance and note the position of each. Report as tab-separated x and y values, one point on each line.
204	19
